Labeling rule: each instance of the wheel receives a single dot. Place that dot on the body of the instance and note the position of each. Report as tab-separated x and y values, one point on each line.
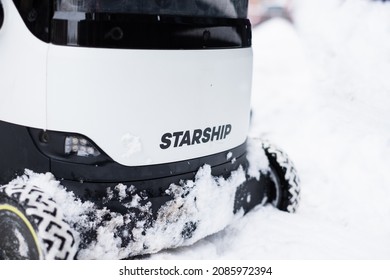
285	194
31	225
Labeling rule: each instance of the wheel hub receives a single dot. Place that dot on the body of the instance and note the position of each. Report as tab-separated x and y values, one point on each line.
18	240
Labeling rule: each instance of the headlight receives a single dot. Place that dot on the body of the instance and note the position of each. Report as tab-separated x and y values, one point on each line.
80	147
68	147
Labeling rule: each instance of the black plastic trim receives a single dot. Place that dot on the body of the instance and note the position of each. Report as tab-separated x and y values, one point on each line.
36	14
52	144
18	152
154	190
111	171
132	31
126	31
104	169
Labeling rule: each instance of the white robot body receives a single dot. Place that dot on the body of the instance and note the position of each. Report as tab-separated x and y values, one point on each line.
126	100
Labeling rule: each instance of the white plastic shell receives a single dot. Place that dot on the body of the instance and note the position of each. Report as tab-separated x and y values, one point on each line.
124	100
22	72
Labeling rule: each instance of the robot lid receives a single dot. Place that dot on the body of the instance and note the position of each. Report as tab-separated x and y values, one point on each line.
138	24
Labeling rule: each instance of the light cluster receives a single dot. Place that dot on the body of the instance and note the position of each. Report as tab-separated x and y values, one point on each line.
80	146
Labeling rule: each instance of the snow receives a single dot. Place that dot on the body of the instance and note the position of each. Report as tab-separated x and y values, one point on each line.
321	92
191	215
256	158
229	155
23	247
132	145
198	208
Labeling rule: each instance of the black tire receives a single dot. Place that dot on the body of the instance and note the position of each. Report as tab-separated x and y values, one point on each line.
32	225
286	193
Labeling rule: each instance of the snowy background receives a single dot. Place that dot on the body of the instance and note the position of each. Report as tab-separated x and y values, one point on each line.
321	92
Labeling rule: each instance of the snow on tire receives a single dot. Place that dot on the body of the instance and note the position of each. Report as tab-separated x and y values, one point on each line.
55	238
286	195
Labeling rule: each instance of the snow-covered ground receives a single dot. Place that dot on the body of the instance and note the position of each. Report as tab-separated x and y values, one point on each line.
322	93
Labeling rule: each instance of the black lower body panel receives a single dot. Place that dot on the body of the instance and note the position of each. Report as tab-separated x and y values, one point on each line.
156	189
166	193
20	149
18	152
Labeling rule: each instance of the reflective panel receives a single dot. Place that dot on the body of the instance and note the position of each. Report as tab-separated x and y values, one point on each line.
200	8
